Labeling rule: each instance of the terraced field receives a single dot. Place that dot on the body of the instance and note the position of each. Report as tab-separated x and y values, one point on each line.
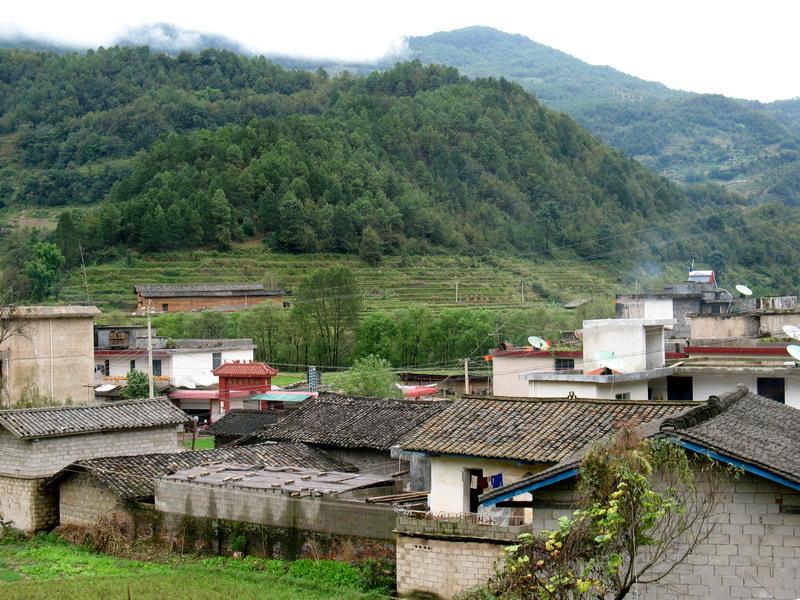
490	282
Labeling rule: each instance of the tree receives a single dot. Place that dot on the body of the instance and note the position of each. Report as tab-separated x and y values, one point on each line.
43	269
370	248
138	385
371	376
220	215
209	324
643	507
331	300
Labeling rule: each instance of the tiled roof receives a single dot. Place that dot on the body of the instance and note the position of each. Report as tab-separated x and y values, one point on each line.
747	427
244	369
351	422
178	290
242	422
49	312
740	425
133	477
530	430
29	423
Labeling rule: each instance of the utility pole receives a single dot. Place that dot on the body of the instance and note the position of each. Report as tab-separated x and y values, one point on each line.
466	376
150	350
522	290
456	291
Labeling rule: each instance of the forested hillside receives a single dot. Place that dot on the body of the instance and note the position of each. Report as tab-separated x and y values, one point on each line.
204	150
688	137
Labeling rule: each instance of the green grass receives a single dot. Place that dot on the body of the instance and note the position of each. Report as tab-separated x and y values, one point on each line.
202	442
48	568
492	282
284	379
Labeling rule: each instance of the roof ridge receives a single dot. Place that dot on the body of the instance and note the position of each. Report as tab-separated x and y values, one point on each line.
66	407
614	401
713	407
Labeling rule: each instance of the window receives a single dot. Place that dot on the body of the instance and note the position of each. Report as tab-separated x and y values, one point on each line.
772	387
156	368
565	364
133	364
106	367
216	359
680	388
165	307
625	396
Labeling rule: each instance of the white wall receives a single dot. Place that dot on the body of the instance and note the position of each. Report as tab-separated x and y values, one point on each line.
603	391
705	385
506	371
447	479
626	338
658	308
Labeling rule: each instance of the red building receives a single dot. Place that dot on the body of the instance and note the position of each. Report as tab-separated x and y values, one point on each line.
242	379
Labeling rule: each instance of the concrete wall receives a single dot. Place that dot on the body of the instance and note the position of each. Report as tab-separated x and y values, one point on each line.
705	385
447	479
325	514
45	457
625	338
27	506
51	358
715	328
604	391
506	371
176	365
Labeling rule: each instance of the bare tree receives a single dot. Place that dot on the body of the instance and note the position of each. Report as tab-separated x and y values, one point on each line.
642	508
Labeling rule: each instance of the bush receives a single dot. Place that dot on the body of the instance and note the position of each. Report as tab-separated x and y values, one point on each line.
329	572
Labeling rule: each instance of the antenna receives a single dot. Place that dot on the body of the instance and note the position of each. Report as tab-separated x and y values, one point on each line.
744	290
538	343
609	360
794	351
85	282
793	331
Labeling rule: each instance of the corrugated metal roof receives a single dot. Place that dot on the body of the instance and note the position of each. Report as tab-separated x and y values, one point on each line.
283	396
31	423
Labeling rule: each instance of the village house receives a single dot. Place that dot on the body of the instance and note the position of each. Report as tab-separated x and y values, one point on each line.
750	554
476	444
758	318
226	297
360	431
115	487
509	363
36	443
46	354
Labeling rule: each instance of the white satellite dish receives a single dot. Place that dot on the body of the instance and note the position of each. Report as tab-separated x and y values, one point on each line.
793	331
609	360
538	343
794	350
744	290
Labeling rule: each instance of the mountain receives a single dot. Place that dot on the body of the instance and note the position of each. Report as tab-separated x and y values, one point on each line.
165	37
688	137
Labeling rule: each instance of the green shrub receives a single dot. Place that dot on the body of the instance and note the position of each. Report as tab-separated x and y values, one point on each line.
329	572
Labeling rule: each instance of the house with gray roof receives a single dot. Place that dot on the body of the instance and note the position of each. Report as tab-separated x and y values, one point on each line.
751	552
238	423
107	487
186	297
36	443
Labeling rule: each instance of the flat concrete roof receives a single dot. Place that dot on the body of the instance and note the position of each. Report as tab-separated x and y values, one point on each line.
294	481
629	322
618	378
52	312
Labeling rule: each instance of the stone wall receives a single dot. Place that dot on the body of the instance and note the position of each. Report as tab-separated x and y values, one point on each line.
47	456
25	505
325	514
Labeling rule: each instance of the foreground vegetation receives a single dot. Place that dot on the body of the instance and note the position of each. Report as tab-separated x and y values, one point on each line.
47	567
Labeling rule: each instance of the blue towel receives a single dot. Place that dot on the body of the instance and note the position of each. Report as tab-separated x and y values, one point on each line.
497	480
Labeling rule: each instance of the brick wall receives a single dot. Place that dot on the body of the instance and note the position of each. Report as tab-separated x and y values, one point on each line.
45	457
223	303
82	500
324	514
25	505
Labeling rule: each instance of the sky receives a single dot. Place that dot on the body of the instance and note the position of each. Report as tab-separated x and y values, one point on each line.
743	49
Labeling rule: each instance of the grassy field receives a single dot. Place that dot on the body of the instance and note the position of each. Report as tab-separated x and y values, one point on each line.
491	282
46	568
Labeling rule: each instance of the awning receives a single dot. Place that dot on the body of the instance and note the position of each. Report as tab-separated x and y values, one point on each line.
423	390
284	396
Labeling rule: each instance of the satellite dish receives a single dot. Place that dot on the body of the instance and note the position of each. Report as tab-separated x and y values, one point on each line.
609	360
793	331
538	343
794	350
744	290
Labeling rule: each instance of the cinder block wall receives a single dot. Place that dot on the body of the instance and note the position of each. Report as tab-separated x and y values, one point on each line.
82	500
27	506
323	514
45	457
